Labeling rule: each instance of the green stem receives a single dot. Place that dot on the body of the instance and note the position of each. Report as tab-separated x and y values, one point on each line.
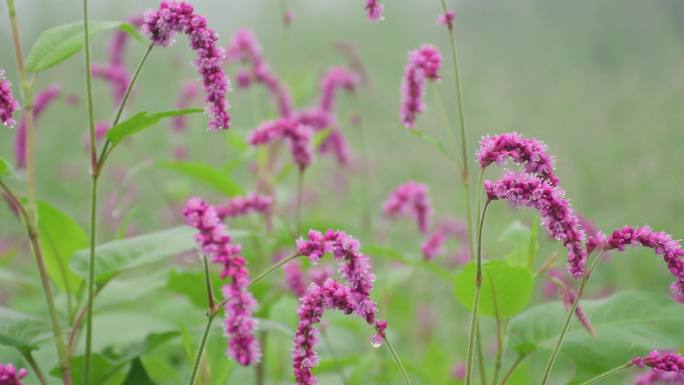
566	324
397	361
480	355
510	371
91	280
476	302
609	373
34	366
499	334
200	349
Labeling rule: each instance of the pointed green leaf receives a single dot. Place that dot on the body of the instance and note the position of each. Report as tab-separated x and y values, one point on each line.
21	330
137	375
141	121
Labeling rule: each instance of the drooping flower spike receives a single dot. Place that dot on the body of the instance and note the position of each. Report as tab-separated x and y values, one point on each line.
244	47
410	198
531	154
42	100
557	216
662	243
423	63
334	79
665	362
9	375
434	244
374	10
179	16
216	243
243	205
297	135
447	19
8	105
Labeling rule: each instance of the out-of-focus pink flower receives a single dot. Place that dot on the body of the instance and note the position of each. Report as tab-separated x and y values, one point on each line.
336	78
423	63
449	227
243	205
294	278
9	375
666	361
447	19
298	137
458	372
410	198
42	100
374	10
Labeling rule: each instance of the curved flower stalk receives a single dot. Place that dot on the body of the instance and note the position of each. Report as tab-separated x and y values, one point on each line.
244	205
410	198
557	216
374	10
8	105
9	375
531	154
661	242
297	135
245	47
188	93
331	295
423	63
354	267
41	101
179	16
449	227
447	18
215	242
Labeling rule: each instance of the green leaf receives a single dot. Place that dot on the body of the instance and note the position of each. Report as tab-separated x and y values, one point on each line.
117	256
135	350
523	243
512	285
5	167
141	121
21	330
60	237
191	284
59	43
627	324
137	375
206	174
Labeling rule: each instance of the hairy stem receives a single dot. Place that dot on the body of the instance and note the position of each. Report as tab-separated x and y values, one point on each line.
566	324
607	374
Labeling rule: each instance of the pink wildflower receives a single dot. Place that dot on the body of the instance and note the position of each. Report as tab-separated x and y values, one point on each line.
666	362
557	216
179	16
215	242
662	243
9	375
318	275
101	129
119	41
298	137
8	105
336	78
374	10
410	198
423	63
189	92
240	206
458	372
447	18
42	100
434	244
530	153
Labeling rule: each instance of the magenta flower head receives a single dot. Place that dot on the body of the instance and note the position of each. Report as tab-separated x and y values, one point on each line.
447	18
241	206
374	10
9	375
410	198
529	153
8	105
665	362
662	243
216	243
557	216
423	63
336	78
179	16
297	135
42	100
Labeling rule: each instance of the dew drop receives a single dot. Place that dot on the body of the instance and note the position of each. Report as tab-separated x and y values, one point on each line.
376	341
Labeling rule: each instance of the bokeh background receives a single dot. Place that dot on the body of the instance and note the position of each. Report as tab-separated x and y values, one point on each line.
601	82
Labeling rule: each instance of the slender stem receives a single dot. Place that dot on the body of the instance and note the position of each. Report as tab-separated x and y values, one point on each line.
78	321
397	360
34	366
200	349
300	195
476	302
499	334
566	324
91	280
480	355
510	371
609	373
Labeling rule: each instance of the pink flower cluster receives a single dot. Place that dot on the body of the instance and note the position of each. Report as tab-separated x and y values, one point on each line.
374	10
297	135
423	63
245	47
410	198
665	362
215	242
240	206
9	375
42	100
179	16
447	19
530	153
355	267
662	243
557	216
449	227
8	105
336	78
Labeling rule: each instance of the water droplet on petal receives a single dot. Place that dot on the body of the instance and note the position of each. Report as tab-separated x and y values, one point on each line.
376	341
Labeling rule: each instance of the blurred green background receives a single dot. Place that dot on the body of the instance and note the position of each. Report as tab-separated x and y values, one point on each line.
601	82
